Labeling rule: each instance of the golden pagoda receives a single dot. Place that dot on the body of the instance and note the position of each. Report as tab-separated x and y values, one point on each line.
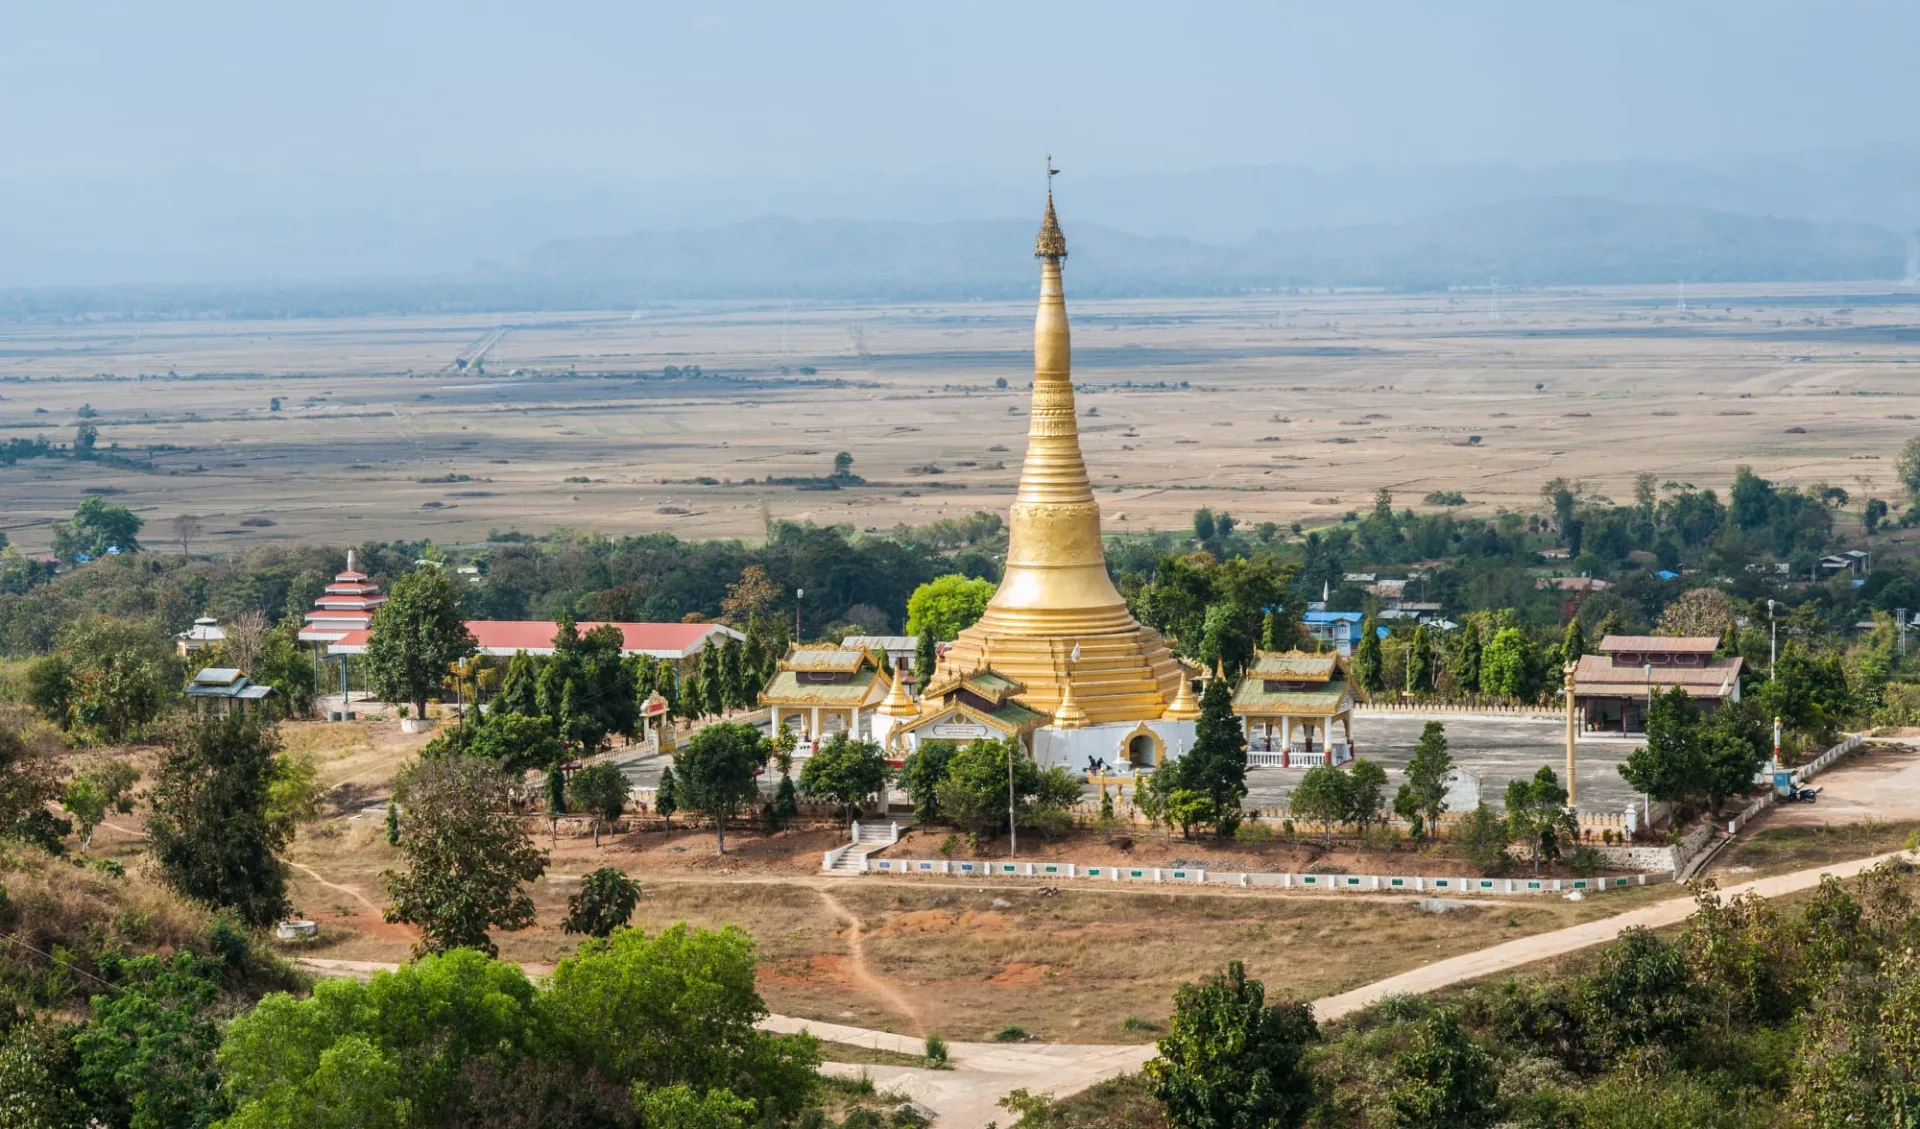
1055	595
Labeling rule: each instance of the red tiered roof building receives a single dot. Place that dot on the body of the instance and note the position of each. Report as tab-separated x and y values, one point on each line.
346	606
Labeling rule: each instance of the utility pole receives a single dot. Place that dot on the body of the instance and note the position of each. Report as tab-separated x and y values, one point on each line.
1013	832
798	595
1900	615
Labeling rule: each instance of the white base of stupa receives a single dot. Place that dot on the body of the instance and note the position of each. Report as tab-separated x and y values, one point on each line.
1118	743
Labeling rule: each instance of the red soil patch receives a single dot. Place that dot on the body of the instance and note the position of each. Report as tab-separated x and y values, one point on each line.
1021	974
811	970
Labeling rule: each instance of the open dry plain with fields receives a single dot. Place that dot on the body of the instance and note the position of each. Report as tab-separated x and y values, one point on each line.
1282	407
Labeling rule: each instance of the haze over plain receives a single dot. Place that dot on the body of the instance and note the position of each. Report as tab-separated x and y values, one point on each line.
675	151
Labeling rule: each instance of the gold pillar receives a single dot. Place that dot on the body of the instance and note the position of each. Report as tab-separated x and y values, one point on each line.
1573	733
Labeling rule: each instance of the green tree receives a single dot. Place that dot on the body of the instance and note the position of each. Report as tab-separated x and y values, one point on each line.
666	800
974	793
1443	1080
1366	795
283	665
1230	1061
1203	524
1537	814
1509	665
37	1087
717	774
683	1107
1873	515
1216	766
468	859
604	902
845	771
387	1052
1424	795
1729	759
1669	767
29	779
1420	662
786	799
210	828
1574	643
90	796
1185	809
1226	639
926	659
293	793
947	605
1907	467
679	1008
94	528
1466	662
516	743
601	790
921	775
1483	837
1640	994
418	634
1369	666
146	1056
1321	797
108	679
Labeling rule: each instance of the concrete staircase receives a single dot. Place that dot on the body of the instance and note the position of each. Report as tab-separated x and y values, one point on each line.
867	838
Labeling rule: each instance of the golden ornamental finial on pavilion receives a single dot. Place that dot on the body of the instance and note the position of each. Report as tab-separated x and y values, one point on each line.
897	704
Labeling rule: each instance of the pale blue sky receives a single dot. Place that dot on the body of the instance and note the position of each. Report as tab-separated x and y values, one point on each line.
613	90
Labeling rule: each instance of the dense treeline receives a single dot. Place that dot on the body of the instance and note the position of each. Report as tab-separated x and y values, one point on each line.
1676	558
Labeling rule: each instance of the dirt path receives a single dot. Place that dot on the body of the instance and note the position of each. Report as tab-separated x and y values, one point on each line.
861	971
350	891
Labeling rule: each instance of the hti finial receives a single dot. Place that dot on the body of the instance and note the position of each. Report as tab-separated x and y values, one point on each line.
1052	242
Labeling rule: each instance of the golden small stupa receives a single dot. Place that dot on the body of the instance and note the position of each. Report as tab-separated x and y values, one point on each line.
1055	593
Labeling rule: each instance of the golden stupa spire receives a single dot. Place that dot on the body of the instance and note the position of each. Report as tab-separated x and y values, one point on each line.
1055	585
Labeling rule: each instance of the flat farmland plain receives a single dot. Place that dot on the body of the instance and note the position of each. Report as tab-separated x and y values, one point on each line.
1280	407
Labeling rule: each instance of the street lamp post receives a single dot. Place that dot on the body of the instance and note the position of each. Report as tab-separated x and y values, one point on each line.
798	595
1773	640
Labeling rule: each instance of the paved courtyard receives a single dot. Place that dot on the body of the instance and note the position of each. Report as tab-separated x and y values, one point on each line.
1499	749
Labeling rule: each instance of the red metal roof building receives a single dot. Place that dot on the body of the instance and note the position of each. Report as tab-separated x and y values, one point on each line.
501	638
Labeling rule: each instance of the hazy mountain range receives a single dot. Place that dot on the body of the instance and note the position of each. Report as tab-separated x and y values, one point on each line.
209	241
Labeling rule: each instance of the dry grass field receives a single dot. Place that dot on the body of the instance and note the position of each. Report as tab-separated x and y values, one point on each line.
1297	408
